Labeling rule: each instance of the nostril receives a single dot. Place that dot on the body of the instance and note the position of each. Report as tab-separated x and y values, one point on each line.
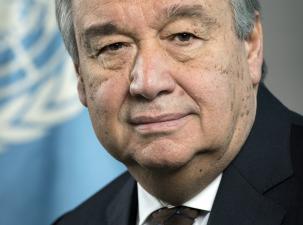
151	78
164	92
152	85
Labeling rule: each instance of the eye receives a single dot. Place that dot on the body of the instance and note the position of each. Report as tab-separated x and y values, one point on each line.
182	37
112	48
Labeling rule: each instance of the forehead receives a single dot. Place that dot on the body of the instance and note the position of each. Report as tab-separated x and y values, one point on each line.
127	12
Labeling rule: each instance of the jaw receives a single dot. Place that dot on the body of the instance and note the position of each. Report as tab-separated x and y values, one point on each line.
178	183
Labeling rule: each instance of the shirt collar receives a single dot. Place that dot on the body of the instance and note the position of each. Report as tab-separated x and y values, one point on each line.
203	200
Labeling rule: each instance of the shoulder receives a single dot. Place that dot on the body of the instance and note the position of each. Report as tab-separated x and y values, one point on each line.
94	208
297	119
296	143
296	131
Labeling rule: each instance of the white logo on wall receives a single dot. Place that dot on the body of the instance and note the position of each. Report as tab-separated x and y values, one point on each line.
37	81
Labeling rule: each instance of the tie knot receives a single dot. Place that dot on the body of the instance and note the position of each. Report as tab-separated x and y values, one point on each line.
180	215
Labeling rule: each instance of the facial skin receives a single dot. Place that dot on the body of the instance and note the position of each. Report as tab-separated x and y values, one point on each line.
170	89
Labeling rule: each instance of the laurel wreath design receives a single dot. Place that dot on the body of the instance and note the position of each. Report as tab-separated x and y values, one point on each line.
44	94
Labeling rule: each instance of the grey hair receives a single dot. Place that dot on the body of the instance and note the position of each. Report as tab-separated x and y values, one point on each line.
243	11
64	17
244	16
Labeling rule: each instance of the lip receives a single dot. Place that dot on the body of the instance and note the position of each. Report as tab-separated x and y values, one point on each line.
160	123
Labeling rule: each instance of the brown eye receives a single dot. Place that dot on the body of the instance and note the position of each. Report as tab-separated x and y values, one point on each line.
113	47
183	37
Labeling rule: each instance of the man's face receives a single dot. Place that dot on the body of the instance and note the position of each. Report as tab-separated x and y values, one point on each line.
167	83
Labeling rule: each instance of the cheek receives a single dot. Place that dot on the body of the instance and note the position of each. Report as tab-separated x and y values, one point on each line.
210	86
105	99
216	77
214	86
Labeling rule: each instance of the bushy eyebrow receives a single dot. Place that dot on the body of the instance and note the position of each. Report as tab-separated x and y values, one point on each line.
167	15
179	11
103	29
98	30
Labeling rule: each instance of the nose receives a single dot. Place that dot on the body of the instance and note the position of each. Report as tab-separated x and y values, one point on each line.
151	75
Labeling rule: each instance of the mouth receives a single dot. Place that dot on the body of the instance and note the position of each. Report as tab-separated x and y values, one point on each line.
160	123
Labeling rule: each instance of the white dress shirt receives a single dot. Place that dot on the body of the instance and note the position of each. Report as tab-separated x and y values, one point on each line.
147	203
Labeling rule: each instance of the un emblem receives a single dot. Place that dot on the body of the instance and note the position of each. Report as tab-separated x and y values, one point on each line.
37	81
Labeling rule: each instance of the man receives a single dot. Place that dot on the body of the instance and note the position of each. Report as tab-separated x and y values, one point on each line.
174	92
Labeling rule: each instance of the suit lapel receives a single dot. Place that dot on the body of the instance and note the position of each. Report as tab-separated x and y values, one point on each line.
238	202
263	163
123	208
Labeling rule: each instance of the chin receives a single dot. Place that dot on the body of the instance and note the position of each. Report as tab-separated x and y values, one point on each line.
163	156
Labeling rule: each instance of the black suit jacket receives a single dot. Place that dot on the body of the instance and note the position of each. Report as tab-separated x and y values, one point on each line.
262	186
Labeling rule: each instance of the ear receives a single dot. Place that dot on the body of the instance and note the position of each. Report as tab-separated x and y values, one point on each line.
80	86
254	50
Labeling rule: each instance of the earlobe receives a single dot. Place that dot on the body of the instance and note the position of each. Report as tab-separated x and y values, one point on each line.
254	49
80	86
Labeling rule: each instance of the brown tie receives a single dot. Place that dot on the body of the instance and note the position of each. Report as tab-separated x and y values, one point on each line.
174	216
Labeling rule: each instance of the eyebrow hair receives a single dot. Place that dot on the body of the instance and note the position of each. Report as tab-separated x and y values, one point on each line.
197	11
99	30
171	13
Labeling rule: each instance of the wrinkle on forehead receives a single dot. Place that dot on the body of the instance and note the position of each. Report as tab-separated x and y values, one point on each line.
153	14
132	17
146	7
